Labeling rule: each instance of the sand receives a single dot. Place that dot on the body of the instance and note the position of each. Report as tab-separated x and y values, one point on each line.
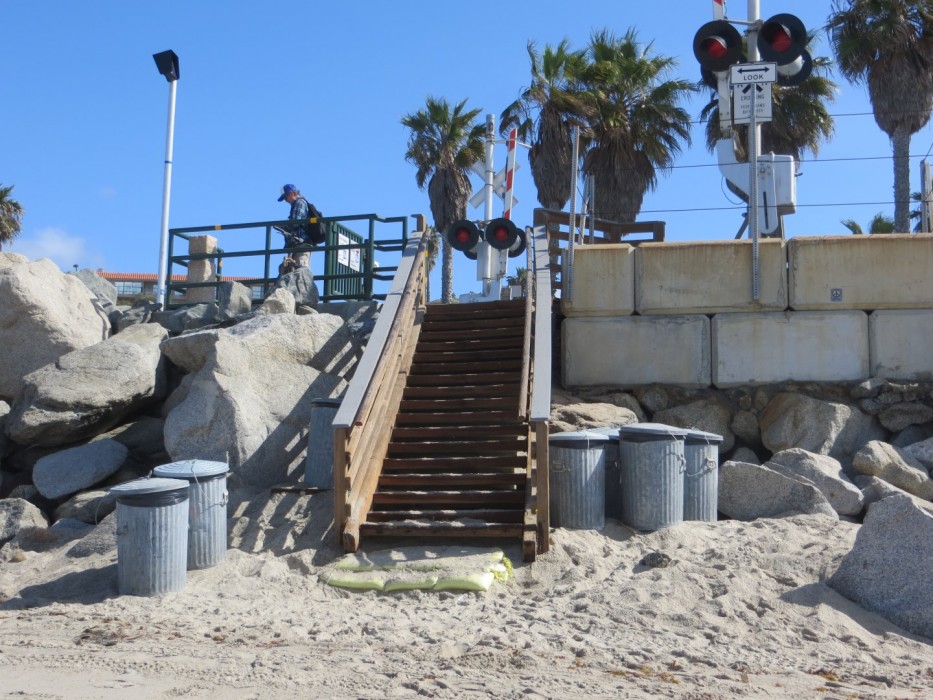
741	610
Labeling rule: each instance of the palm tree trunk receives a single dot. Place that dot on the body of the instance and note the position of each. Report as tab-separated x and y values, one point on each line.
447	272
901	145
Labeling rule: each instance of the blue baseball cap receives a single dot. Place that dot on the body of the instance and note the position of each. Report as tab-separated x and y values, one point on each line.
287	190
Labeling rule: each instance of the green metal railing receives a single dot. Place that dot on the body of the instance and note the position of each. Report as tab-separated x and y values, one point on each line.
349	257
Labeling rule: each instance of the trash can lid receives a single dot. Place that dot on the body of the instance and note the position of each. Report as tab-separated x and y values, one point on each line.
579	437
141	486
191	469
701	437
649	432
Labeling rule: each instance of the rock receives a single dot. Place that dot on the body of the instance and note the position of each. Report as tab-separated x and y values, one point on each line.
143	438
90	390
103	290
894	466
12	259
710	415
921	451
744	454
748	491
654	398
580	416
69	471
140	312
16	515
4	412
280	301
247	402
233	299
901	415
874	489
868	389
87	507
745	427
890	568
822	427
912	434
300	284
825	473
100	540
188	318
44	315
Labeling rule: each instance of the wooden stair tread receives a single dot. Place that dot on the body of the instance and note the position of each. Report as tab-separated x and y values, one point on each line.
467	528
454	463
492	515
474	496
444	479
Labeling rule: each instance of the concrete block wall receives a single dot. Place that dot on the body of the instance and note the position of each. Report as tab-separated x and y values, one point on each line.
837	308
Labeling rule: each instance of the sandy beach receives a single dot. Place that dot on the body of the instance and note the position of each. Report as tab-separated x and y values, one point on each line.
740	610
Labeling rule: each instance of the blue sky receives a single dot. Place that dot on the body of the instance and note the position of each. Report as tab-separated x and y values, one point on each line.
313	93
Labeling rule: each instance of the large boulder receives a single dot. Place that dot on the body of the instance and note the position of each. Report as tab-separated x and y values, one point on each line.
90	390
77	468
891	464
101	289
44	315
233	299
748	491
247	399
582	416
890	568
300	284
710	415
17	514
822	427
874	489
825	473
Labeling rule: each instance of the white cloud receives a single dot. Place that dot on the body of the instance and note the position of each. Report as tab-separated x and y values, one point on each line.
53	243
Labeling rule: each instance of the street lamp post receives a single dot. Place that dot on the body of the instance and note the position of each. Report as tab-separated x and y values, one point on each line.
167	63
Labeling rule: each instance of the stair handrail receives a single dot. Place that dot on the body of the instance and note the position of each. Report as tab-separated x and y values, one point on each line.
357	425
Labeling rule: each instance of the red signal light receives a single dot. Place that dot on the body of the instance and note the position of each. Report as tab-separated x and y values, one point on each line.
714	47
717	45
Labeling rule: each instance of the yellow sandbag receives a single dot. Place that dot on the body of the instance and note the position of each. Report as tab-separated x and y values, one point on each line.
471	582
361	581
421	582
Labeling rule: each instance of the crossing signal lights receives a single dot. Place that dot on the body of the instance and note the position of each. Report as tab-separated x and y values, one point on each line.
464	236
717	45
502	234
783	40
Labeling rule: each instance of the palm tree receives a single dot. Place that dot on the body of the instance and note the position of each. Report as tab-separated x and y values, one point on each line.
878	224
443	145
542	113
635	125
11	216
888	45
800	120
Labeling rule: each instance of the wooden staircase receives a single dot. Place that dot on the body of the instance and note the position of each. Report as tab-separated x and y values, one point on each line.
457	462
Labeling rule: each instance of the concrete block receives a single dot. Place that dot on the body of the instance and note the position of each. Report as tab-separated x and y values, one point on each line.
762	348
201	270
899	342
709	277
603	281
880	271
629	351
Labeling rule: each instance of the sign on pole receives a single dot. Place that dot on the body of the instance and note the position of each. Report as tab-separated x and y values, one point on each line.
742	103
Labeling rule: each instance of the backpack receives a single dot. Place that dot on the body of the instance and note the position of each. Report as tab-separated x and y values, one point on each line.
315	233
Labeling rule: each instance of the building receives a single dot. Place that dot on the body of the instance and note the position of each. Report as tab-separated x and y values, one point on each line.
133	286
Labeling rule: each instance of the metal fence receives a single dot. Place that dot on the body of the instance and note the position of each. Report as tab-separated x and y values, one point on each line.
350	268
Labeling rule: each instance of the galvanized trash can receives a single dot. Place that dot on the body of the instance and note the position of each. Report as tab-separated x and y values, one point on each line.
613	487
319	463
207	508
701	475
652	475
577	465
152	536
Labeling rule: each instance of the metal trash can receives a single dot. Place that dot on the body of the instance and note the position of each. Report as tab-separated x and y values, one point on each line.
319	462
652	475
613	488
152	536
577	467
207	508
701	475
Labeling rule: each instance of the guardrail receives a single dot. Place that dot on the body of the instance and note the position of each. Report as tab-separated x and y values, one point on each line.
349	257
363	424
